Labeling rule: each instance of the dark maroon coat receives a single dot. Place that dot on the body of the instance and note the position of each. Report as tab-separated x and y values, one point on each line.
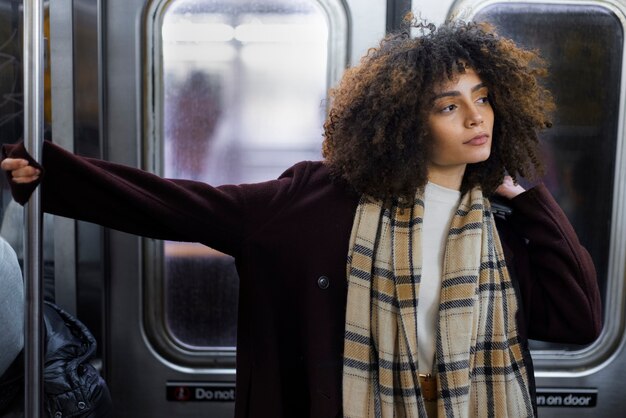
286	236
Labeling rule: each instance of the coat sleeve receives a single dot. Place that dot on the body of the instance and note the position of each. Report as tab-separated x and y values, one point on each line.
558	281
141	203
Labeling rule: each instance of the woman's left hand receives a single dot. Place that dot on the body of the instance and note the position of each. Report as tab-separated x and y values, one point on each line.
509	188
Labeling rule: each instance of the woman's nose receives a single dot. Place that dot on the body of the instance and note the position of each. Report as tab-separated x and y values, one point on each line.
474	118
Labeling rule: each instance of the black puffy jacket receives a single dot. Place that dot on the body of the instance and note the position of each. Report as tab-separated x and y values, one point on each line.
72	386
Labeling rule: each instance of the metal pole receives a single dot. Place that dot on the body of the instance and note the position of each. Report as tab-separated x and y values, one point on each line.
33	137
61	41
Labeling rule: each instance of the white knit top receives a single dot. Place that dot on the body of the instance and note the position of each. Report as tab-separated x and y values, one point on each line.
440	204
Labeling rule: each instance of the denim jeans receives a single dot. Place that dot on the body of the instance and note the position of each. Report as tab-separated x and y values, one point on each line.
11	306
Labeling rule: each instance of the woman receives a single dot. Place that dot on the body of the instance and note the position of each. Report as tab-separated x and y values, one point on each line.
431	314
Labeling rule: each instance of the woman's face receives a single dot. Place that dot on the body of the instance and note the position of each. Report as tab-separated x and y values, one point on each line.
460	124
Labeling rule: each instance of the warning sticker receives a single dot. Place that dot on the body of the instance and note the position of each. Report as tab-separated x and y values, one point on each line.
567	397
200	392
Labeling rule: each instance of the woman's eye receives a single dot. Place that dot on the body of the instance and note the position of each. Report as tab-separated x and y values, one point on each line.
484	99
448	108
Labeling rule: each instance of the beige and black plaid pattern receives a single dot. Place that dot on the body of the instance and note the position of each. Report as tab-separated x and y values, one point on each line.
479	361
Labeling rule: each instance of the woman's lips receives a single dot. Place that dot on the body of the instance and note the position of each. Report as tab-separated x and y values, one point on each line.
478	140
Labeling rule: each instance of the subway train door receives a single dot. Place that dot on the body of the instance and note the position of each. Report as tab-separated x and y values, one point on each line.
223	92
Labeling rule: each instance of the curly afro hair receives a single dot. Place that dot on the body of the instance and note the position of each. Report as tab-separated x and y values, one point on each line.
375	132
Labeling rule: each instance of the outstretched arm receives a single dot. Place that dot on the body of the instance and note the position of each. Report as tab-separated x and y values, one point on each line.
138	202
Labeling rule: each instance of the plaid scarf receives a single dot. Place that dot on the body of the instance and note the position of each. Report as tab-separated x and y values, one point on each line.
479	361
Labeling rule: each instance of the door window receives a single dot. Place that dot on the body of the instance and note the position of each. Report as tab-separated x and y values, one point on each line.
583	45
242	88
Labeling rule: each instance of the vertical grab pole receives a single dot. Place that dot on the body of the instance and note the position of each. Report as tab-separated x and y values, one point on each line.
33	136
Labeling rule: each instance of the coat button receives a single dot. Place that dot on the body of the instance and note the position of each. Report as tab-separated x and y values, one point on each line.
323	282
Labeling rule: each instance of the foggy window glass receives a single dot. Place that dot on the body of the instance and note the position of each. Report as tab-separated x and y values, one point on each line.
244	84
583	46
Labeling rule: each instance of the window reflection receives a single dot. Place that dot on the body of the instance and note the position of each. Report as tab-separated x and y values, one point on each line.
244	84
